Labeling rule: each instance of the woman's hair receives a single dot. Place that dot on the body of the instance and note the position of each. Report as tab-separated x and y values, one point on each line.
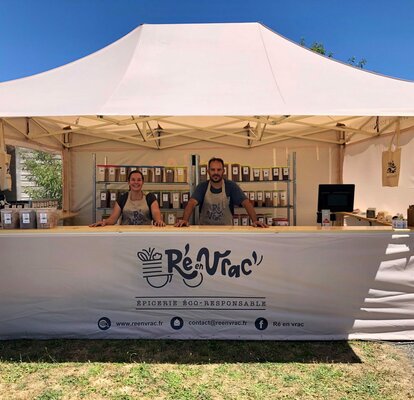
135	171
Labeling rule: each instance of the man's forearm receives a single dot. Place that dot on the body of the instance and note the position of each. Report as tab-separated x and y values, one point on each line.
250	210
189	209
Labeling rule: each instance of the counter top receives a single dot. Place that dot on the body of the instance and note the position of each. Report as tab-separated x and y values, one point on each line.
198	229
365	218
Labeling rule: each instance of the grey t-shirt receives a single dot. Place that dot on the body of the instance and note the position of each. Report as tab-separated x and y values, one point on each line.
233	191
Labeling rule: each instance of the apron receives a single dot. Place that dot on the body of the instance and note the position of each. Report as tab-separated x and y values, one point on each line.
136	212
216	210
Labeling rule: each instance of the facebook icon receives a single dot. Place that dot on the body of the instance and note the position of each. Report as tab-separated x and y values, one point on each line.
261	324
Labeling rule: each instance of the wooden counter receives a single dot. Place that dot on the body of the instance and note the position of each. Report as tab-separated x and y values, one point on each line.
359	217
200	229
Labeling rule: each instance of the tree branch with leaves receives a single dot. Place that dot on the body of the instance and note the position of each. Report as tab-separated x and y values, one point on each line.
45	172
320	49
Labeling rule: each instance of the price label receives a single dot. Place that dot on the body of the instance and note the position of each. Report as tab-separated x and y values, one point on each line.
43	218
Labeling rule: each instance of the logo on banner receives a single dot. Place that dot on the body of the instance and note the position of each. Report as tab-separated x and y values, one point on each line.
158	268
177	323
261	324
104	323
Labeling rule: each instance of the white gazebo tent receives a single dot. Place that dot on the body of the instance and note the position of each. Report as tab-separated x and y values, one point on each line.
210	86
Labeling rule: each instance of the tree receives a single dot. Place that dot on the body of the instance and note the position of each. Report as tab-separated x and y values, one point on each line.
45	172
320	48
360	64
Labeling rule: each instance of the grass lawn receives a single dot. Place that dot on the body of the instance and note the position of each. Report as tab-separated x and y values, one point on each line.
184	370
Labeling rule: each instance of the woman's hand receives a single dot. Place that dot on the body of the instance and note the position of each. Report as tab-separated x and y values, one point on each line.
159	222
99	223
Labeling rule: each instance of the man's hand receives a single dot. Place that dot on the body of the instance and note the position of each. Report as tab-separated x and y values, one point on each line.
159	223
181	222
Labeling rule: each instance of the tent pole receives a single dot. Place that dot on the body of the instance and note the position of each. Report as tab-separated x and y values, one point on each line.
67	156
341	163
341	155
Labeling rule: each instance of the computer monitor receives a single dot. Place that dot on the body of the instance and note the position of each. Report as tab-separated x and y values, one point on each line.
336	197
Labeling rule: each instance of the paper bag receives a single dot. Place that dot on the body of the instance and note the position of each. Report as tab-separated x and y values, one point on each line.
391	161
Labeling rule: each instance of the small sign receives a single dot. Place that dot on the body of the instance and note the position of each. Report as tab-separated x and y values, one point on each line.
43	218
26	218
326	218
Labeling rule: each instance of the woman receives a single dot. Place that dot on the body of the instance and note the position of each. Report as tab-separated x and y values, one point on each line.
135	207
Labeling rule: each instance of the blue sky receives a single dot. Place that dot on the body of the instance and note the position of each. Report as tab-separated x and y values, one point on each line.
37	35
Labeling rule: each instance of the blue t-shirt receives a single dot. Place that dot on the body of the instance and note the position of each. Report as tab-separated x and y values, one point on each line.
233	192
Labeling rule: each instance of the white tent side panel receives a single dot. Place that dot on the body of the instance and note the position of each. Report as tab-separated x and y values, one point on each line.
362	166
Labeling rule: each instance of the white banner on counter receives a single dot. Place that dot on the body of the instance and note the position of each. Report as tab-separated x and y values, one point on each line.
292	286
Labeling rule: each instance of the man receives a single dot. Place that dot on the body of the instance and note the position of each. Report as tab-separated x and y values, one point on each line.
217	199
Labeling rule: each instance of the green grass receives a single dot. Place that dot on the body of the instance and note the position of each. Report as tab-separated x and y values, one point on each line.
203	370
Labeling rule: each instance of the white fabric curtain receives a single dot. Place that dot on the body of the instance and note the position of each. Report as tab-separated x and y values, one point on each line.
362	166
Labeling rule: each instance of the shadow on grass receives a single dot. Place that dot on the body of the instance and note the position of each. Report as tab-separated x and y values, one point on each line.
176	351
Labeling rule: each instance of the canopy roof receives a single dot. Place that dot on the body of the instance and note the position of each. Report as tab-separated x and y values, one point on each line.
168	85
